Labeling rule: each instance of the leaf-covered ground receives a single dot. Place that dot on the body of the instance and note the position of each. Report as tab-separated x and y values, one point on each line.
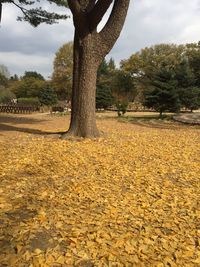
130	198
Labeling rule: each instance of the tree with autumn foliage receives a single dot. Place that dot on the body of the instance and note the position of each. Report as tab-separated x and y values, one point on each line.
62	71
90	48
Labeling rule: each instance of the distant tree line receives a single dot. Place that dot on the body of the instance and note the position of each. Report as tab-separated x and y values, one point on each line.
30	89
167	76
164	77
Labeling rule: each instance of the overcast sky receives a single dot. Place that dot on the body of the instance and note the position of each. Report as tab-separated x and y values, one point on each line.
149	22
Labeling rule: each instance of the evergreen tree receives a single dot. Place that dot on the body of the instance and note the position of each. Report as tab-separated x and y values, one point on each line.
104	98
163	96
187	91
190	98
48	96
36	15
111	64
193	55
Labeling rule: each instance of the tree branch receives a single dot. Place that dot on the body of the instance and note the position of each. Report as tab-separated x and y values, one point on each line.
111	31
79	16
91	5
75	7
0	11
97	13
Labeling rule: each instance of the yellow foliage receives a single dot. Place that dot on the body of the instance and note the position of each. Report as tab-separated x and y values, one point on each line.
128	199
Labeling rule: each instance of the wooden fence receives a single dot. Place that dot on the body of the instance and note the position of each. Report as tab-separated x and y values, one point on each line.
17	109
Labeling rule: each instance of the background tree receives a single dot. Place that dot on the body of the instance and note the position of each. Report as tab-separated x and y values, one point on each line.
163	95
62	72
6	96
14	78
192	53
3	80
48	96
104	98
144	65
114	85
188	93
4	71
111	65
27	87
190	98
123	86
33	74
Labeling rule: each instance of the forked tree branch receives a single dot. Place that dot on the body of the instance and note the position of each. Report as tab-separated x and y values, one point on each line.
79	16
97	13
91	5
111	31
75	7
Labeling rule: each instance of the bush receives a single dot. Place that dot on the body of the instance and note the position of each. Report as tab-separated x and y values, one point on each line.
32	101
6	96
121	108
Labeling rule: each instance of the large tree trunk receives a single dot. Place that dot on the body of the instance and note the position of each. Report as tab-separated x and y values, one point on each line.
83	119
90	48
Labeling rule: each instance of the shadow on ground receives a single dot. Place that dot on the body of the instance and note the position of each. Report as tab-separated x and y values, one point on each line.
8	128
15	124
159	124
19	120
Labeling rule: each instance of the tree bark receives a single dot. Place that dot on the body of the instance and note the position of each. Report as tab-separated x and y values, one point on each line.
83	118
90	48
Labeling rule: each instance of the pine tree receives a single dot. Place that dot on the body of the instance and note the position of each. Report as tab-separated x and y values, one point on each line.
163	96
36	15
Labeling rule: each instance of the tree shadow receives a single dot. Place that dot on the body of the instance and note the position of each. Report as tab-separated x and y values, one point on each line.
19	120
14	124
8	128
159	124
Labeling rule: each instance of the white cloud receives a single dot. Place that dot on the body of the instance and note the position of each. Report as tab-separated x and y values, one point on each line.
18	62
23	47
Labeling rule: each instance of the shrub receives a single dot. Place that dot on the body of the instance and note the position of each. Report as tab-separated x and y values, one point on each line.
121	108
6	96
32	101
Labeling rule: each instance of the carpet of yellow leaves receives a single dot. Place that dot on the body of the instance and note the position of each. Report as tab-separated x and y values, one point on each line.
130	198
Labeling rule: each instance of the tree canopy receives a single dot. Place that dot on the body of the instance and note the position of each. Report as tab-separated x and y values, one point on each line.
63	71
